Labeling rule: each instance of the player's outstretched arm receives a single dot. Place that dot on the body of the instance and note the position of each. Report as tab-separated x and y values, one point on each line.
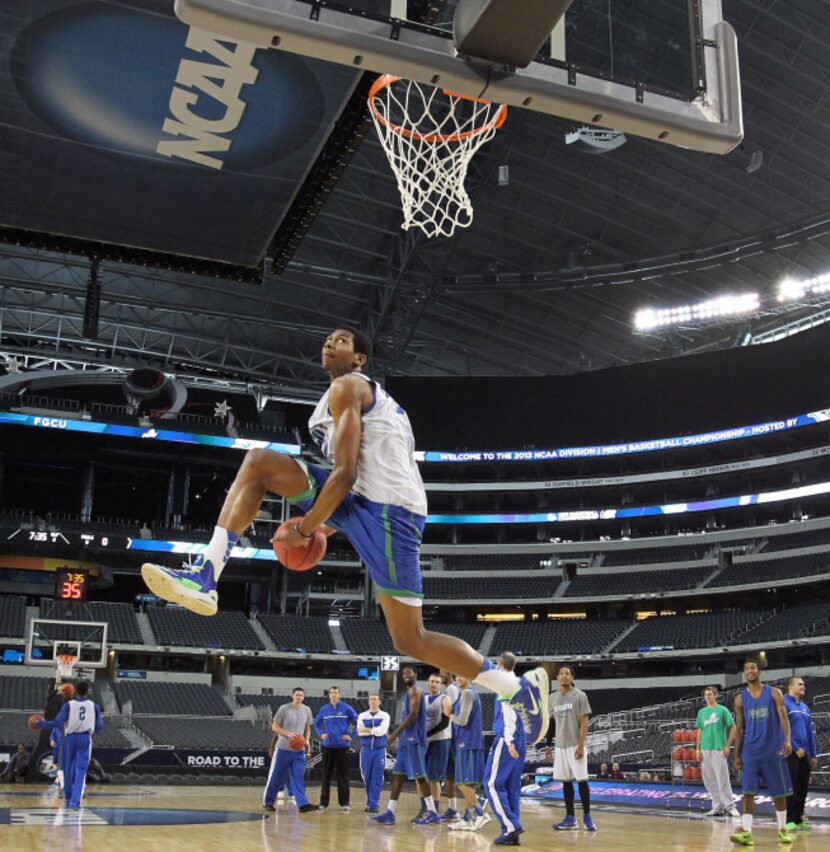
781	709
58	722
739	729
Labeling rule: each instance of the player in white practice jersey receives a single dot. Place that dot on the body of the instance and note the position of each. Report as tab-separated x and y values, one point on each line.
375	496
79	718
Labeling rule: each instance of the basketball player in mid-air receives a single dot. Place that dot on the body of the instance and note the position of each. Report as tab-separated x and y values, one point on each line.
375	496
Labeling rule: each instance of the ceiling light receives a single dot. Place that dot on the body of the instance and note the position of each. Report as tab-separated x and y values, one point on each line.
722	306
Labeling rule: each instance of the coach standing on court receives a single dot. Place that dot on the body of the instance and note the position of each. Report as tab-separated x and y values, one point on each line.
372	728
803	758
335	722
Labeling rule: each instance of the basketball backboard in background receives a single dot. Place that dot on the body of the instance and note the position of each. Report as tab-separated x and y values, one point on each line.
49	638
662	69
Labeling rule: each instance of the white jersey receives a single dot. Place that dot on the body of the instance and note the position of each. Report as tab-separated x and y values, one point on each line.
435	710
81	718
386	468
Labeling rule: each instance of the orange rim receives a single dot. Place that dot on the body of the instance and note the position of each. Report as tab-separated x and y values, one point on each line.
386	80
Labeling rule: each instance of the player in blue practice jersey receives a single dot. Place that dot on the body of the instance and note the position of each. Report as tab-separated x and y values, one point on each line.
374	495
410	761
762	747
80	718
465	714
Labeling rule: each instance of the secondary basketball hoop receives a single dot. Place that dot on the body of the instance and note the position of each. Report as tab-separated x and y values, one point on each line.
430	135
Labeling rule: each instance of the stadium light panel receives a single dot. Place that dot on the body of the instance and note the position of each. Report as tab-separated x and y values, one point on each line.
712	309
791	290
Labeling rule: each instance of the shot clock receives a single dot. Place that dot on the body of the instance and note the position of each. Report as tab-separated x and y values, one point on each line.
71	584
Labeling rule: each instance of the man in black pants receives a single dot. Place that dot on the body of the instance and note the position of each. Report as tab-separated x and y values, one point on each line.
335	724
803	758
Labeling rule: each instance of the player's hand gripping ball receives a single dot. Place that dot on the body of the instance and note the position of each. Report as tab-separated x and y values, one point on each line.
299	555
297	742
37	717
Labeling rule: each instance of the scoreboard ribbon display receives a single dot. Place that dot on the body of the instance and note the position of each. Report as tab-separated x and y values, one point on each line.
67	424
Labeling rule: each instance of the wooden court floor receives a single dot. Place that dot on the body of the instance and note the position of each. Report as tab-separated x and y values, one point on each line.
31	819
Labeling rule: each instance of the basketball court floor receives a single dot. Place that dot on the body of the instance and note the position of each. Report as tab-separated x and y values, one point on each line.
167	819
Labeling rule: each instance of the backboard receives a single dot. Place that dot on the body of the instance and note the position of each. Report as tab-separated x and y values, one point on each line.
662	69
48	638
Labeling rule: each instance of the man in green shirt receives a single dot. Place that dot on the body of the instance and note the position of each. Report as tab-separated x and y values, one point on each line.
714	736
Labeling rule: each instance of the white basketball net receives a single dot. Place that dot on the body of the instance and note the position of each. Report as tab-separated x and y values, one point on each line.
430	136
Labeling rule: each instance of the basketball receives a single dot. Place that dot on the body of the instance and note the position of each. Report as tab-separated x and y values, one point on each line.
37	717
306	556
297	742
68	691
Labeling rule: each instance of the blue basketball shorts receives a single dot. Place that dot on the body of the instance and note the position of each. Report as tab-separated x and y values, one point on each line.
438	752
387	538
409	761
469	766
773	769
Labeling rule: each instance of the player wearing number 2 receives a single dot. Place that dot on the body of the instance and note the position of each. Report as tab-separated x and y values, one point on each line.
80	718
375	496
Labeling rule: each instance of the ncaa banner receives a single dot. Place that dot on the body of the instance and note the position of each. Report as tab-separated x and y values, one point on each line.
120	124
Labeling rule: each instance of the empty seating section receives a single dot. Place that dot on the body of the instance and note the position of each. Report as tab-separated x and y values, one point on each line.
12	615
206	734
556	637
366	636
290	632
471	632
228	629
809	538
812	619
492	561
24	693
648	748
636	582
13	729
773	569
172	699
699	630
110	737
120	618
650	555
616	700
315	702
497	587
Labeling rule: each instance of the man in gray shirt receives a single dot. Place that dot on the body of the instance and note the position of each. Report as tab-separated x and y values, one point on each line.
570	711
292	724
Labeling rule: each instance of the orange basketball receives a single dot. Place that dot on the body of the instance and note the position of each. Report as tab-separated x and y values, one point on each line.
37	717
677	736
306	556
297	742
678	753
68	691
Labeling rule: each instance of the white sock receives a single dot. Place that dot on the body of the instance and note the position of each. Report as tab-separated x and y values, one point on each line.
219	549
502	683
453	803
746	822
393	805
430	803
781	816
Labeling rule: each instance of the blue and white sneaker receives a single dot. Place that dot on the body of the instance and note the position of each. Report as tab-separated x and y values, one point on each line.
531	703
589	823
386	818
450	815
567	824
192	587
431	818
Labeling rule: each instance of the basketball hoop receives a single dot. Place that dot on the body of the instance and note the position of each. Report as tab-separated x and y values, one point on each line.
430	136
65	663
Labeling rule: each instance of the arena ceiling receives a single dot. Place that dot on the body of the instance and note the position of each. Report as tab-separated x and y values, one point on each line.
544	282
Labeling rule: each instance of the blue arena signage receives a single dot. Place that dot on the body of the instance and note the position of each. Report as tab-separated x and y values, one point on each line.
649	446
150	433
